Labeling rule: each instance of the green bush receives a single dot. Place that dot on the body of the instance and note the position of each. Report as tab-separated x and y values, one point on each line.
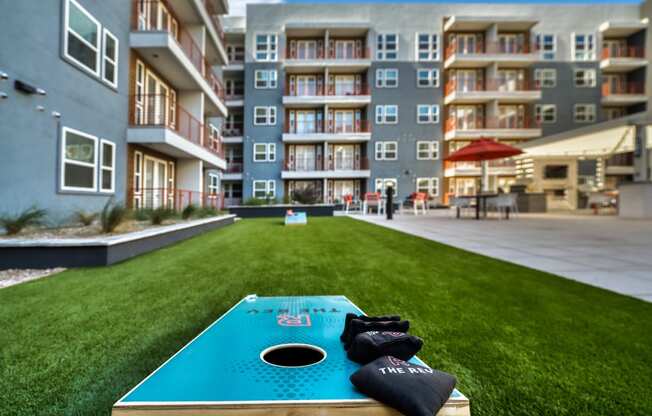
189	211
158	215
205	212
112	216
141	214
13	224
85	218
255	202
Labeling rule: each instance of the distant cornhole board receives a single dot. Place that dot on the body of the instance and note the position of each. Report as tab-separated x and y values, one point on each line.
267	356
296	218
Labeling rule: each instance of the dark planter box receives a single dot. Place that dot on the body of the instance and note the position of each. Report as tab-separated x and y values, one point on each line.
242	211
86	252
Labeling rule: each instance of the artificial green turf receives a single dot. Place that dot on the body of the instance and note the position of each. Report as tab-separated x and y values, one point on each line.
519	341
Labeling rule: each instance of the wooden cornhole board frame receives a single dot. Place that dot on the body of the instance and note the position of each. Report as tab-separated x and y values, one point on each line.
220	372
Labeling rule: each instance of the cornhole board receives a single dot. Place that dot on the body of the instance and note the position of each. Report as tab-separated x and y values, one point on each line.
298	218
221	371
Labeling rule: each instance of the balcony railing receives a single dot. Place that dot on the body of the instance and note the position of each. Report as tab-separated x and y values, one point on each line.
148	18
320	53
623	52
493	123
176	199
329	90
498	85
312	164
359	126
493	48
232	131
234	167
157	110
622	88
217	25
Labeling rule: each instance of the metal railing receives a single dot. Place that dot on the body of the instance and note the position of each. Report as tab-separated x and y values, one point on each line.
359	126
328	90
234	167
319	52
622	87
497	85
496	123
235	131
489	47
310	164
174	199
615	51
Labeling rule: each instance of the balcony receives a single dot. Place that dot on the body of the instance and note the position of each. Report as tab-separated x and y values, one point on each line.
316	168
359	131
620	164
176	56
317	60
232	134
622	58
342	96
623	93
234	100
501	167
499	128
166	127
518	55
503	91
233	171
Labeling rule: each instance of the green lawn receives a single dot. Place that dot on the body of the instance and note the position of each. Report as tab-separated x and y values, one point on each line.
519	341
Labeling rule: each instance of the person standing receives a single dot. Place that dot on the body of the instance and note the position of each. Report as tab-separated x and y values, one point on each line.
389	204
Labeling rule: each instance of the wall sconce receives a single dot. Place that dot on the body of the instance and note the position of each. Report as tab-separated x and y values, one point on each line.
3	95
3	75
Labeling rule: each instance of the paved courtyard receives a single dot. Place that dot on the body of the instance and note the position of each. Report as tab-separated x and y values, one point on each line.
603	251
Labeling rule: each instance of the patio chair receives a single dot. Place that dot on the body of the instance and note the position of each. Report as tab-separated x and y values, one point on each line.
417	201
459	205
503	202
598	200
350	203
371	200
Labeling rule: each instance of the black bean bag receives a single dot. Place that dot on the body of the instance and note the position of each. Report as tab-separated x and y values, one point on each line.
357	326
350	316
368	346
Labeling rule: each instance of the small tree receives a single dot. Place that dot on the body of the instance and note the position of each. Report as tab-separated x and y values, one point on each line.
13	224
189	211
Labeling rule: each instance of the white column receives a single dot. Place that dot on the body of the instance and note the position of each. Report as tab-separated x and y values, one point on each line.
190	177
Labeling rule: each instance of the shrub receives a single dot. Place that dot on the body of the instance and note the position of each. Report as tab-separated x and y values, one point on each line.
158	215
255	202
189	211
13	224
112	216
142	214
305	196
206	212
85	218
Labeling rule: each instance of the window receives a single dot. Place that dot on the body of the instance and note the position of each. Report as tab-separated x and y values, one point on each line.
264	152
82	38
266	47
545	77
429	186
213	184
265	189
583	47
78	161
386	114
546	44
427	47
107	166
585	78
110	59
584	113
427	150
235	53
264	116
546	113
265	79
386	150
427	77
387	47
427	114
387	78
555	171
383	183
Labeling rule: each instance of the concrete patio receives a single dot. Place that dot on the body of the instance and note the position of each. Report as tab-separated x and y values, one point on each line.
603	251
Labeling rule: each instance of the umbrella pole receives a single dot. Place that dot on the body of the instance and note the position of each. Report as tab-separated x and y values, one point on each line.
484	176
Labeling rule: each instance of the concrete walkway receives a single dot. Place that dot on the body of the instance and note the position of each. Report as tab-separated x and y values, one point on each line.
603	251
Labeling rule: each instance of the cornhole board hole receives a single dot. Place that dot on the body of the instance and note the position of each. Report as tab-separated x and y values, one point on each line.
298	218
267	356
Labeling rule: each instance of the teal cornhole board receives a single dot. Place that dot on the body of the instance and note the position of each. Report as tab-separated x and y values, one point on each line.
221	372
298	218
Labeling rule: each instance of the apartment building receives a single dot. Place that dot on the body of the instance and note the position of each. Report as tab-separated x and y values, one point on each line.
349	99
111	99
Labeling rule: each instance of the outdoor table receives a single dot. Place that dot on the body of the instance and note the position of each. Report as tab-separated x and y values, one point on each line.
480	203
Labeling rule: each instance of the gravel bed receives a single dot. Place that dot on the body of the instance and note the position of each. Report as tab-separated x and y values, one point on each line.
12	277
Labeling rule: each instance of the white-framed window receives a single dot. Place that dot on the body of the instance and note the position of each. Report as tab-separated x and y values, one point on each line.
387	47
387	114
545	113
429	186
82	37
545	77
213	184
381	185
264	152
427	113
584	113
265	79
585	78
138	172
265	116
107	166
427	77
387	78
235	53
583	46
546	44
427	47
264	189
266	47
386	150
110	59
78	161
427	150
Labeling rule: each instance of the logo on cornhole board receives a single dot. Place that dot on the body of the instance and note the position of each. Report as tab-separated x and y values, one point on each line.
302	319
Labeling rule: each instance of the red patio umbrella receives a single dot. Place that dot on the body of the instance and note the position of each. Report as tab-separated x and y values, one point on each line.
483	149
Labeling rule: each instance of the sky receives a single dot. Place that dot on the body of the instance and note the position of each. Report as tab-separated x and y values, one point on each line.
238	7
